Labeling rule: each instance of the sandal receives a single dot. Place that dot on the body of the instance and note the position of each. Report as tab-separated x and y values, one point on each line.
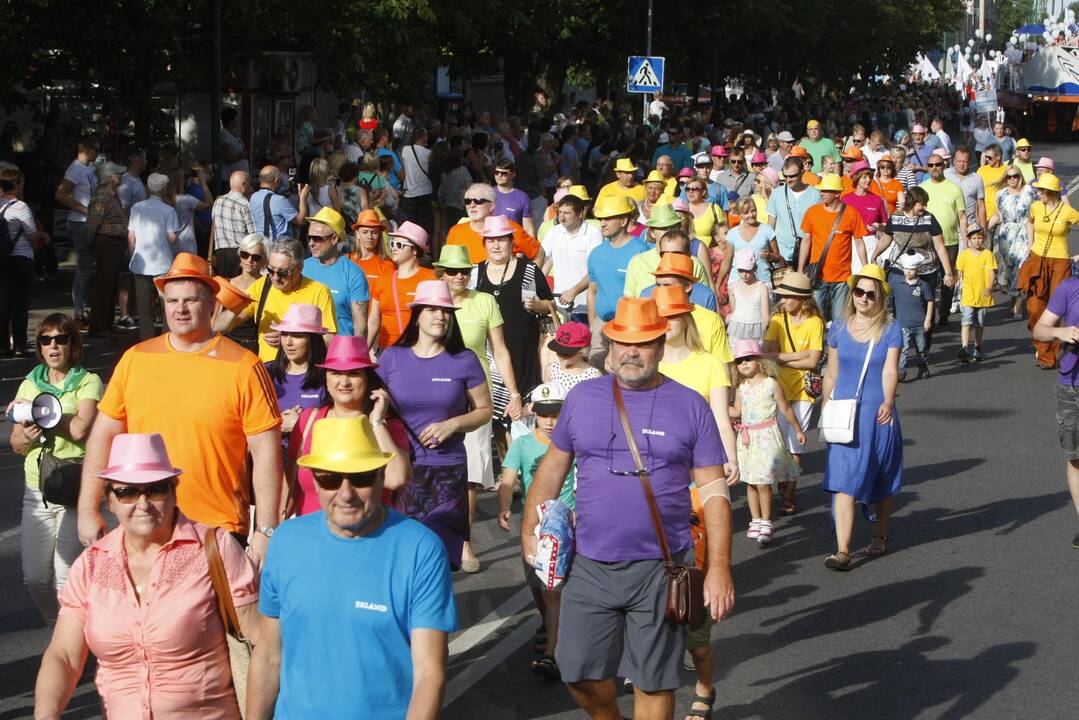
547	667
706	714
789	507
840	561
877	546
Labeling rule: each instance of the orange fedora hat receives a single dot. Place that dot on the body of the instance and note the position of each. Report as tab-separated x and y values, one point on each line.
636	320
676	264
671	300
188	267
231	296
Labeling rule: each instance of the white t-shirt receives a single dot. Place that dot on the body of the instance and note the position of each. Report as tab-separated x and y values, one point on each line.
84	179
131	190
354	153
185	214
236	145
873	156
417	161
569	255
657	107
20	223
151	221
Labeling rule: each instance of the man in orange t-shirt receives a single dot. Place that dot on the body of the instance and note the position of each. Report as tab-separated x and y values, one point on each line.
210	399
479	204
831	278
392	292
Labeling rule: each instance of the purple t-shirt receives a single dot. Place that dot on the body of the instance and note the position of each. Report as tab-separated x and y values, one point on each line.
430	390
514	204
675	432
290	393
1065	304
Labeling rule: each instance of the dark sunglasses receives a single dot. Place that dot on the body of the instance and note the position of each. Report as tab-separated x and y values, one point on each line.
319	238
279	273
792	177
870	295
154	492
935	165
61	339
456	271
476	201
333	481
501	172
244	255
1013	176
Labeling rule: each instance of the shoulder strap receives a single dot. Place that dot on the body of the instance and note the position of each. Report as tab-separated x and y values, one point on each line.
220	582
653	509
787	327
790	212
865	368
267	220
397	304
417	158
262	301
831	236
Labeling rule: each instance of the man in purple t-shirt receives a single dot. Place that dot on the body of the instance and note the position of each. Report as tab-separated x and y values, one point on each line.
1064	305
616	591
509	201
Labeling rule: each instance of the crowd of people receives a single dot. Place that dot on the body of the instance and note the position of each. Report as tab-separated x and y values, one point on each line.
392	320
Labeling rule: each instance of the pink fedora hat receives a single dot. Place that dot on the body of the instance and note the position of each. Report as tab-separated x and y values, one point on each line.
346	352
138	460
858	167
301	318
759	158
496	226
1047	163
413	233
680	205
746	347
433	293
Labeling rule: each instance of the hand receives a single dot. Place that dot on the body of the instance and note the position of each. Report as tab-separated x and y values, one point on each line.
1068	334
304	190
529	302
504	520
256	548
884	414
381	405
567	297
927	325
731	471
437	433
91	527
801	437
988	292
273	338
514	408
289	418
719	592
949	280
528	548
32	432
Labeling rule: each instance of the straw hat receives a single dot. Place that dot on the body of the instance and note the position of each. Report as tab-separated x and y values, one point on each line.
636	320
795	284
344	445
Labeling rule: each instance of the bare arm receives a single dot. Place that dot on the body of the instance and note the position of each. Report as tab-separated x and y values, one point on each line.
979	212
77	426
250	624
505	496
766	304
359	318
429	651
265	449
719	402
65	195
883	241
529	225
785	407
890	380
803	252
61	667
264	671
831	371
1046	330
479	398
374	323
593	288
942	253
91	523
718	584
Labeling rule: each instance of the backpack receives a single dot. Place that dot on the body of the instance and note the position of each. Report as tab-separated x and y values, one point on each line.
7	242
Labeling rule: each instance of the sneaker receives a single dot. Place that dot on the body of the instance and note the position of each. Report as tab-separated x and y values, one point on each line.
764	533
977	354
923	372
963	355
127	323
754	529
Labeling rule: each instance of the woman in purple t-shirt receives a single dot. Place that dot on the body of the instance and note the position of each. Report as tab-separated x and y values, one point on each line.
298	380
440	389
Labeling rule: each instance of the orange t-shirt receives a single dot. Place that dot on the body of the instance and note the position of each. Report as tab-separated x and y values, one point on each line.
393	324
888	190
817	225
463	234
848	185
205	404
810	178
373	267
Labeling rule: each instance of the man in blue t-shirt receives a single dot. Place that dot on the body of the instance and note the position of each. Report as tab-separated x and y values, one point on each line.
382	142
346	281
282	212
357	600
607	265
671	145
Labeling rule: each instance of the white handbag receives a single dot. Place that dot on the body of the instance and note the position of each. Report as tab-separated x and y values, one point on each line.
838	417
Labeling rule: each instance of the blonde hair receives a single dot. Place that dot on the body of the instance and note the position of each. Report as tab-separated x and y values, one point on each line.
691	335
317	174
880	318
809	305
768	367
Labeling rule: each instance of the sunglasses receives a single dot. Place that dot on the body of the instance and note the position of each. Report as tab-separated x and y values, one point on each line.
276	272
1013	176
792	177
935	165
476	201
333	481
500	172
695	189
456	271
244	255
319	238
399	244
61	339
870	295
154	492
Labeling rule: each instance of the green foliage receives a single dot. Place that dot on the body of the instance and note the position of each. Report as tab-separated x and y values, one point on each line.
1012	14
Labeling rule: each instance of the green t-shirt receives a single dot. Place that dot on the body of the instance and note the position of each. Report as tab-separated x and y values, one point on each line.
476	316
946	203
817	149
89	388
524	456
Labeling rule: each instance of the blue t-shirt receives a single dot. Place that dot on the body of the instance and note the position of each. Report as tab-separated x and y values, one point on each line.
910	301
281	212
698	295
787	207
347	608
395	182
347	285
607	267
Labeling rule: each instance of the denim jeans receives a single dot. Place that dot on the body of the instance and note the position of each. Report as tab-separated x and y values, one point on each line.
84	267
831	297
914	336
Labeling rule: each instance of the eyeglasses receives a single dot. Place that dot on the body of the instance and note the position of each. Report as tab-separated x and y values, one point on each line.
499	172
1023	149
630	473
154	492
333	481
244	255
399	244
792	177
476	201
456	271
935	165
319	238
278	272
694	188
870	295
61	339
738	162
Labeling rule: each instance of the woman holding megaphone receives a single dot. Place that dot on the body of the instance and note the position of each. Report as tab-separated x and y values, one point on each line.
50	538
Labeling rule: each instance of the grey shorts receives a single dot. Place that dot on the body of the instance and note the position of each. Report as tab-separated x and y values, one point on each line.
972	316
611	624
1068	420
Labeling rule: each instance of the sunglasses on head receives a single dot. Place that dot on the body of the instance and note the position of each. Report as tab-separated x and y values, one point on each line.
476	201
456	271
61	339
870	295
244	255
278	272
333	481
154	492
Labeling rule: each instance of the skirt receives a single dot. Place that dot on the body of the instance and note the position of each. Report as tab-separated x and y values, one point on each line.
437	496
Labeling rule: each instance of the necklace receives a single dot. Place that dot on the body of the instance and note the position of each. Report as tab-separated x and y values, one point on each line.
502	279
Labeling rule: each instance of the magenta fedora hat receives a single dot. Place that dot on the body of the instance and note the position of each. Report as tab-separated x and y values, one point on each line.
138	460
345	352
496	226
433	293
413	233
301	318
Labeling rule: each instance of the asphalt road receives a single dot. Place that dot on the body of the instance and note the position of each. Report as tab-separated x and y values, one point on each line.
970	615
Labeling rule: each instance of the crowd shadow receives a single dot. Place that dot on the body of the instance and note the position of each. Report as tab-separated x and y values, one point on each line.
17	679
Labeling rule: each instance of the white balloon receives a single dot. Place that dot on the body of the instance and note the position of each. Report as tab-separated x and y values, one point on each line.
978	33
970	43
1013	39
975	57
988	37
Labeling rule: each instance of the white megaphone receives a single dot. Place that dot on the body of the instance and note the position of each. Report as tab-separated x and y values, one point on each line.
44	411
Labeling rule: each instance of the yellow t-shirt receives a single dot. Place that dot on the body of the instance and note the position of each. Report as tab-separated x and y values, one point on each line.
309	292
89	388
713	333
616	189
761	204
807	335
976	269
703	225
1052	229
991	176
699	372
641	266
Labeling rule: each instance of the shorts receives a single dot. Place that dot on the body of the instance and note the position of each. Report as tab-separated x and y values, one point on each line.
612	624
1068	420
532	579
803	410
973	316
702	636
481	469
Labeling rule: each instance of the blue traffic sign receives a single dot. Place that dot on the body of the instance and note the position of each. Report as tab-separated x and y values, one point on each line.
645	74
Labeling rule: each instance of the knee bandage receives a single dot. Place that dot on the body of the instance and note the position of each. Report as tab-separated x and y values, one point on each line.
715	489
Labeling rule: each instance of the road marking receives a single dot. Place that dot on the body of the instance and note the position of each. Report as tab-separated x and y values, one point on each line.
481	666
1072	185
476	634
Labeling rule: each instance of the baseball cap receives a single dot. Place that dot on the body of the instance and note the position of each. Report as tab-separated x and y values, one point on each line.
785	137
571	338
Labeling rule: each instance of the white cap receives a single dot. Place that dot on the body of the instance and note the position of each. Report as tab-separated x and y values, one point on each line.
911	261
548	393
702	158
785	137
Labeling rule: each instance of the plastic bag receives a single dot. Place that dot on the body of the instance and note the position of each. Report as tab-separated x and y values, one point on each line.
554	551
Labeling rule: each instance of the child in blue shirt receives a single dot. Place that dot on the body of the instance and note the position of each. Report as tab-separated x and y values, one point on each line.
913	298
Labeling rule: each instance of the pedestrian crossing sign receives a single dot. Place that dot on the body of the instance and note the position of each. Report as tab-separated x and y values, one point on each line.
645	74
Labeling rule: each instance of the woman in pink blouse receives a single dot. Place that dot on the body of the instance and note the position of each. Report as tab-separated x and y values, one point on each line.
141	601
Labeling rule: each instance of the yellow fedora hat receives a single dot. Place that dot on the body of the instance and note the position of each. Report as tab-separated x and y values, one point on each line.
344	445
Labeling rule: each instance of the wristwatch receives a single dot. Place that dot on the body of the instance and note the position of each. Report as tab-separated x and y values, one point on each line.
378	423
266	530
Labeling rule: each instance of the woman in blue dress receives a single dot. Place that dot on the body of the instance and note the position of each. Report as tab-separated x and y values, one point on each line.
1014	198
869	470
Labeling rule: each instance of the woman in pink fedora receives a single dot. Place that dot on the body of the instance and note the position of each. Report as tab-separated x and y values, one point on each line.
353	389
392	292
296	376
140	599
440	388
